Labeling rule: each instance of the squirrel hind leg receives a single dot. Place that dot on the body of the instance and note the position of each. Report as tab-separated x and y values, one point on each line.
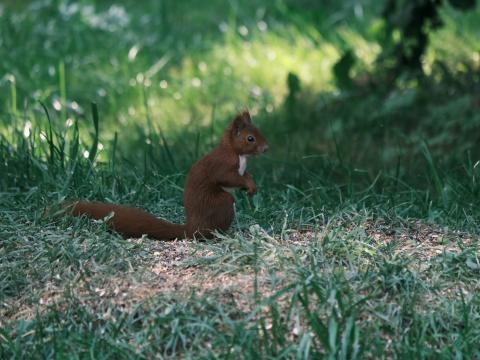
198	233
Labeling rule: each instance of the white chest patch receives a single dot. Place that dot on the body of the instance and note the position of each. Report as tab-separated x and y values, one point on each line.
242	159
230	190
242	166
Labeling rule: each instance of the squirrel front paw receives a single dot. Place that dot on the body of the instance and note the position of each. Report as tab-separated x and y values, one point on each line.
251	189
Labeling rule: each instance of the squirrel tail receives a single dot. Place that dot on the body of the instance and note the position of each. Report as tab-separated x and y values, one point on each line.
128	221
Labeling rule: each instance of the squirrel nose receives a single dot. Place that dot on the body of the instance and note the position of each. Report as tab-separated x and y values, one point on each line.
265	148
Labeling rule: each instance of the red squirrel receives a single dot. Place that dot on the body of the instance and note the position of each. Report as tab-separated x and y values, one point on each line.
209	205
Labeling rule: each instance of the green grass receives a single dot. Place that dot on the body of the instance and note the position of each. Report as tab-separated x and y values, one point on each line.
363	239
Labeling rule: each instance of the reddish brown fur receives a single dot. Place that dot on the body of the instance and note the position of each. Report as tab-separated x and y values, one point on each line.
208	206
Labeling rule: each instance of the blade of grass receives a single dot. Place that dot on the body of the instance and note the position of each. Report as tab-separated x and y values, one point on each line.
94	147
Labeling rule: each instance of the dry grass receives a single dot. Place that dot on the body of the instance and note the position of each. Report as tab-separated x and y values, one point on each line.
179	268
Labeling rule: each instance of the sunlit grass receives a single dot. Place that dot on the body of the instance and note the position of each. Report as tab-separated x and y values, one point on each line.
241	72
457	43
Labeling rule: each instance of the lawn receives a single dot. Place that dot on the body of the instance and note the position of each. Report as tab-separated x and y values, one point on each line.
361	242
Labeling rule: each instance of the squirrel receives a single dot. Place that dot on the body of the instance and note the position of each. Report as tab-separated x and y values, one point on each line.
209	204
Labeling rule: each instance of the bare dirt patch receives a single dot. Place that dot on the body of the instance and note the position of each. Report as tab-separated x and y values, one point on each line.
173	268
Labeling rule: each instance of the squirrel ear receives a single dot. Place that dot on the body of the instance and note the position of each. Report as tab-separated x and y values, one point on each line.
241	121
246	116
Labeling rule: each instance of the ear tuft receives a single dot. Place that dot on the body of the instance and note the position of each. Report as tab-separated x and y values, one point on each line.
241	121
246	116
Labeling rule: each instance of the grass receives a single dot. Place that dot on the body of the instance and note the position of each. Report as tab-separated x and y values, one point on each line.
362	241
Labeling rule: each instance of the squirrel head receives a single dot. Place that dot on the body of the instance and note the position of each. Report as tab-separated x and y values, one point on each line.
246	139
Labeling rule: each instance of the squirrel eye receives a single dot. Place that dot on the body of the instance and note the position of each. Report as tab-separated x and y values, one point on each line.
250	138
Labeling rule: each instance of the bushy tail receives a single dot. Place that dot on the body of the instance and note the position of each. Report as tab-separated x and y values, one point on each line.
130	222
